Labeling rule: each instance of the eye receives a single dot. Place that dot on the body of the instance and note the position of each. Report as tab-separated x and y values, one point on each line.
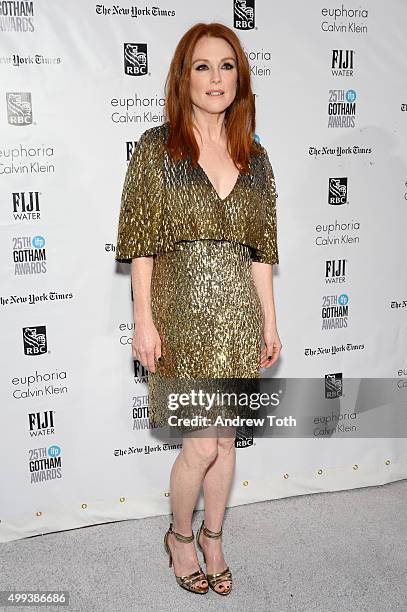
229	65
201	66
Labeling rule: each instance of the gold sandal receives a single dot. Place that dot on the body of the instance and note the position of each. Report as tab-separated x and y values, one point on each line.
215	579
186	582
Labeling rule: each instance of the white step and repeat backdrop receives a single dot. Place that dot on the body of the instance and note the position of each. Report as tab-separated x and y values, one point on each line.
80	82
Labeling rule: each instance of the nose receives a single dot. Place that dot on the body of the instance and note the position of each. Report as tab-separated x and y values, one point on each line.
215	76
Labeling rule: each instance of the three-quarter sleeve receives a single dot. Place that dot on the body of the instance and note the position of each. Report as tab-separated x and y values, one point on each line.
268	250
140	213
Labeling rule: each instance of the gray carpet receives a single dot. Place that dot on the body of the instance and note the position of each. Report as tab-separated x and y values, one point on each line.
328	551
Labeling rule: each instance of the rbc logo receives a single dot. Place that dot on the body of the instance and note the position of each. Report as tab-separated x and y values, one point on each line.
19	108
243	14
35	340
135	59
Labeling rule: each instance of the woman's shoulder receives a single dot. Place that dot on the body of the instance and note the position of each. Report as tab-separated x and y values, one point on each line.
154	135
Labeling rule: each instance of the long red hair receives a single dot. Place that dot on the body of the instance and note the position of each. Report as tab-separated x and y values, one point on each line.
240	116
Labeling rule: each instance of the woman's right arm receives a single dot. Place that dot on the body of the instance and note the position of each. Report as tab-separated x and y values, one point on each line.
146	342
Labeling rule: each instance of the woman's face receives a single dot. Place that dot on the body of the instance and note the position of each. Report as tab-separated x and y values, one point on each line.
214	68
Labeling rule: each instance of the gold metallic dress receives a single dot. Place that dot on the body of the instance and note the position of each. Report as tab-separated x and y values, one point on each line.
204	301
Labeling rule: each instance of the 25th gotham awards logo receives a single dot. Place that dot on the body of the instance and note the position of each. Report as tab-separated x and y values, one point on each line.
243	14
135	59
341	108
19	108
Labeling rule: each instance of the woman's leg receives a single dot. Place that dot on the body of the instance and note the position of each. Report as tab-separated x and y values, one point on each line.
216	486
187	474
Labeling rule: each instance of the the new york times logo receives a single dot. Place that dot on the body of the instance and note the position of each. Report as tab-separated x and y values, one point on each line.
243	14
135	59
338	191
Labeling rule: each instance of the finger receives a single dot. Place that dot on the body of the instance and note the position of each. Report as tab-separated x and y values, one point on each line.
150	362
272	354
157	351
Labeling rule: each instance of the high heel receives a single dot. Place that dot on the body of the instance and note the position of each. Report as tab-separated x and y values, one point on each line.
188	581
215	579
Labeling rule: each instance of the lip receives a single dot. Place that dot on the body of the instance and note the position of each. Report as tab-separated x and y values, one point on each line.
215	91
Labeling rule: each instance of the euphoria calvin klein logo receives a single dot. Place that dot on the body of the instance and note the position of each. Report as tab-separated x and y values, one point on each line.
342	62
35	340
338	191
243	14
19	108
333	385
135	59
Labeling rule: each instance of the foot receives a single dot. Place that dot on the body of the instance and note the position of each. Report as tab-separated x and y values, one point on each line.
215	561
184	559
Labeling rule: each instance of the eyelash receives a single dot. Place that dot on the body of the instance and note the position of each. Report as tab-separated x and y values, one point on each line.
225	64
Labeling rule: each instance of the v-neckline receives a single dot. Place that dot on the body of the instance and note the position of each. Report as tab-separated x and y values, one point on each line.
213	187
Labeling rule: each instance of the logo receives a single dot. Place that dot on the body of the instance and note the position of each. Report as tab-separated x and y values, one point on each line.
334	311
337	233
29	255
344	20
35	340
140	372
45	463
333	385
19	108
17	16
335	271
26	205
41	423
342	62
135	59
341	108
244	436
130	146
243	14
338	191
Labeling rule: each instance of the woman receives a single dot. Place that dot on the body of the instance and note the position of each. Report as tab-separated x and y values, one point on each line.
198	221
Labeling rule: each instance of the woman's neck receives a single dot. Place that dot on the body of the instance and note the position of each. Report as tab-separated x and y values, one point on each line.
209	127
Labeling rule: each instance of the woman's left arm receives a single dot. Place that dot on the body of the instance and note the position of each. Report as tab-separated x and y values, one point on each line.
263	280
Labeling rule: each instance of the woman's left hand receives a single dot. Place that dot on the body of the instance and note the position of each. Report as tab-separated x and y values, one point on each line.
272	346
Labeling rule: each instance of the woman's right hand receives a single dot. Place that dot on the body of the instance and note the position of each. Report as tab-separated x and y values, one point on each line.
146	345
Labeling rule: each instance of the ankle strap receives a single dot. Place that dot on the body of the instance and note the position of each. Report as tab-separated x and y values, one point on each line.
211	534
181	537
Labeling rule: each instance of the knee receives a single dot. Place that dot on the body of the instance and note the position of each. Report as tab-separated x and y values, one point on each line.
201	453
226	445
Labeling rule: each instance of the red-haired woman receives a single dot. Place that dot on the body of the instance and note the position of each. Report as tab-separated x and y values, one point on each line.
198	221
